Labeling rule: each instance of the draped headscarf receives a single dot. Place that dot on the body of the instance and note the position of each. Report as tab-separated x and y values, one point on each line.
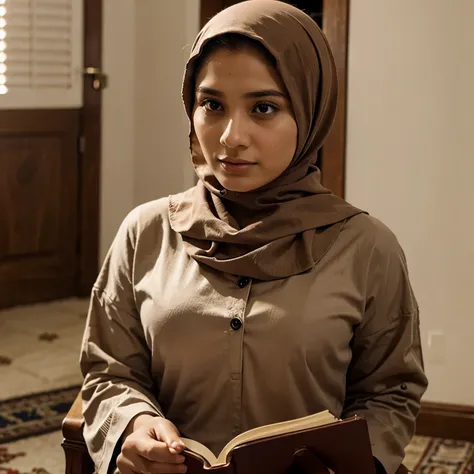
291	222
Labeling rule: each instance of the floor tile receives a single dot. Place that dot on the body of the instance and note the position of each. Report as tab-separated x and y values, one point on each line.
14	343
16	383
76	306
70	338
57	365
39	320
36	364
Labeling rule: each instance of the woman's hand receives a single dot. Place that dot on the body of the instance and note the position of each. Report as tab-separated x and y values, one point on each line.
306	462
151	444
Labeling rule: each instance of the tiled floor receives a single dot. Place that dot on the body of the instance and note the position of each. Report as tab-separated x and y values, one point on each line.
39	346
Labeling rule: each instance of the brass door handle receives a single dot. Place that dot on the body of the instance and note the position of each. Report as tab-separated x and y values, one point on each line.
99	79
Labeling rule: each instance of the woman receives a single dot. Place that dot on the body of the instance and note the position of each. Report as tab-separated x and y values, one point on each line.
256	296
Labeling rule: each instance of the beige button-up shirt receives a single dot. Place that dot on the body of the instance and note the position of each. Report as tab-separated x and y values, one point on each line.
219	354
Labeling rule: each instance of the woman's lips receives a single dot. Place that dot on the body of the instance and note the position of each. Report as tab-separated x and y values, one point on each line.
237	166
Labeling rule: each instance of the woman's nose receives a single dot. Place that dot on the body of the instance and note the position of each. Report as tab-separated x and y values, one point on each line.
235	134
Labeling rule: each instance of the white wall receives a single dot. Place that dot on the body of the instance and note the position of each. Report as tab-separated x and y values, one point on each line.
161	147
144	128
410	161
118	118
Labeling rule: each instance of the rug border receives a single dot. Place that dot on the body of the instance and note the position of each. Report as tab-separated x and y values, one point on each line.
26	397
428	447
19	437
37	394
434	444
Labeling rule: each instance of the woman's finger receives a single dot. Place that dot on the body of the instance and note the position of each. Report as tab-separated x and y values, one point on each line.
139	465
167	432
157	451
306	462
128	466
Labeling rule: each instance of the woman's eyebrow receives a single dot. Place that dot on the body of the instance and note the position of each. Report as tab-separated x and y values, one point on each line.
209	91
248	95
265	93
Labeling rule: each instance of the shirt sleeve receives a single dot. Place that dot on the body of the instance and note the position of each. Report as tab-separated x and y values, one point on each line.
115	357
386	380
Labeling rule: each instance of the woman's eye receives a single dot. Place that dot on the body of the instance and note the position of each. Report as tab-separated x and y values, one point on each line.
211	105
265	109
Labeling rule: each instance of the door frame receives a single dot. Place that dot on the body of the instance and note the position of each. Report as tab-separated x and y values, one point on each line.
336	29
90	154
333	152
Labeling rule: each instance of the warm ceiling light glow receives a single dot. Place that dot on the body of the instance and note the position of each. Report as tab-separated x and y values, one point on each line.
3	11
3	89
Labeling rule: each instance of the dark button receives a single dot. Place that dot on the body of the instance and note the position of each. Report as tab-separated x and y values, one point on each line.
243	282
235	324
223	192
404	386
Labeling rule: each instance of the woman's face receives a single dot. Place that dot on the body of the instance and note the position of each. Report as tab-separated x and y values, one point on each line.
243	119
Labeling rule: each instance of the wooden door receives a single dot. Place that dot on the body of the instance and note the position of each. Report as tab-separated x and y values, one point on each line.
332	16
49	155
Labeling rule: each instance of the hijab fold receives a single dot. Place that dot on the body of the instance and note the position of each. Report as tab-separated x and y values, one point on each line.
285	227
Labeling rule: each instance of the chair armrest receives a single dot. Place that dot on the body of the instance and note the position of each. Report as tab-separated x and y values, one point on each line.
78	460
73	423
402	470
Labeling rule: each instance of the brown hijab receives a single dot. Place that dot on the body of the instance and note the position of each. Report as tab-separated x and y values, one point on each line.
287	225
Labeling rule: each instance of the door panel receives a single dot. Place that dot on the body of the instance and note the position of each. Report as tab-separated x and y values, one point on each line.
38	205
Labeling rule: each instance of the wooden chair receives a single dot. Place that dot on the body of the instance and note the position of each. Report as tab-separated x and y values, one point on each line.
78	460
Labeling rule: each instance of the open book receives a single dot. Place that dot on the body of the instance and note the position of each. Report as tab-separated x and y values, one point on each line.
260	433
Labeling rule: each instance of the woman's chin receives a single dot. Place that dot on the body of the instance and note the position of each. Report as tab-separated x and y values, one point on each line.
237	184
240	187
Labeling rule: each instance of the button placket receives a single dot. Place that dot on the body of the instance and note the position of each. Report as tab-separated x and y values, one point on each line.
236	341
236	337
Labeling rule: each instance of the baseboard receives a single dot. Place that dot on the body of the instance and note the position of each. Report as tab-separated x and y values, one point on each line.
442	420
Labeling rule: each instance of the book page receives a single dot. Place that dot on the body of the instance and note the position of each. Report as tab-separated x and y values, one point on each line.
290	426
200	449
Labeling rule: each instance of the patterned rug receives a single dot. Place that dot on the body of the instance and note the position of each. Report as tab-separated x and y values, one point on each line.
37	455
34	414
426	455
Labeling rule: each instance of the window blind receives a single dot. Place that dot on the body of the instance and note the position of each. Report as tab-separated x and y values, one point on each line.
41	53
